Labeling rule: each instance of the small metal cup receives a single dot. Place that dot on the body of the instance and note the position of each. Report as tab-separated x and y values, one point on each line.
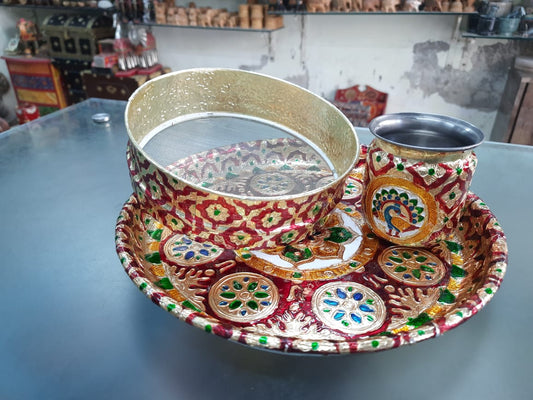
419	170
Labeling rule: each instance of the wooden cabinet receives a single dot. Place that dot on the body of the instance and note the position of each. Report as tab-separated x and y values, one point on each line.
514	121
36	81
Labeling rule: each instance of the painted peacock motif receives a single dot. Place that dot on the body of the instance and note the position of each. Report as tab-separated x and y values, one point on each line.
398	211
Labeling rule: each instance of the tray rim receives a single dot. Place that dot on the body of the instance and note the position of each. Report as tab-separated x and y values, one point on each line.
496	269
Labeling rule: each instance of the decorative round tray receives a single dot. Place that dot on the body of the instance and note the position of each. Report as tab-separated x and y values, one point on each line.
341	291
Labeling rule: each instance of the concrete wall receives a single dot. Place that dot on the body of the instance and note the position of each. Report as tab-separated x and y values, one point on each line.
420	60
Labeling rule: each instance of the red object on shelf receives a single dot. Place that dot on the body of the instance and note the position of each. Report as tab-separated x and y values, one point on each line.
127	73
27	112
361	104
149	71
36	81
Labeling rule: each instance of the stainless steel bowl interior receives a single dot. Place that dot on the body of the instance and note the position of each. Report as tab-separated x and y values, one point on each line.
428	132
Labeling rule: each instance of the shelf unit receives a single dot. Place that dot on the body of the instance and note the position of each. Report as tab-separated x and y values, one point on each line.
109	11
515	36
366	13
236	29
60	8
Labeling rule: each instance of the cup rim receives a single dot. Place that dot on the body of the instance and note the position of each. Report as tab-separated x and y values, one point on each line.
385	127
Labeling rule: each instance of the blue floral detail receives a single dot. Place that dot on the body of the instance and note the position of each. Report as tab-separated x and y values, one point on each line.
365	308
356	318
338	315
358	296
341	294
331	302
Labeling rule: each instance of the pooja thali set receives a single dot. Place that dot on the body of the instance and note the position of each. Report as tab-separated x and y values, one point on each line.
302	240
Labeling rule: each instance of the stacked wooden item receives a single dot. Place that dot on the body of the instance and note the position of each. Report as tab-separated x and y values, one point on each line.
455	6
249	16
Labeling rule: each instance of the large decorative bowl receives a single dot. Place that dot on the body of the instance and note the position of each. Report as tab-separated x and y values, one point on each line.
226	219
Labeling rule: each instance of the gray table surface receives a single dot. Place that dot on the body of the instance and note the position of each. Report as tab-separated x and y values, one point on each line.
73	325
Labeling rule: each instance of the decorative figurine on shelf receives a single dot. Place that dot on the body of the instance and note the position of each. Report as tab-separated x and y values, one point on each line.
371	5
412	5
29	36
193	15
456	6
470	6
390	5
357	5
160	9
342	5
433	5
318	5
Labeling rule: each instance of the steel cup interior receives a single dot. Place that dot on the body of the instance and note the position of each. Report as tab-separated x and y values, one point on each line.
427	132
178	95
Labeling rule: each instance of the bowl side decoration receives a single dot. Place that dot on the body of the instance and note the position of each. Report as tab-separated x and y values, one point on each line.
228	220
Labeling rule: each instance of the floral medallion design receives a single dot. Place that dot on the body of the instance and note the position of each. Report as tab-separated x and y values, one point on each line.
341	246
184	251
413	266
353	188
243	297
272	184
349	307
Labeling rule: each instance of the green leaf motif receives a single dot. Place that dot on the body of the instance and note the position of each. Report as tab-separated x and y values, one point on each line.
457	272
446	297
453	246
261	295
190	305
237	285
400	268
426	268
338	234
422	319
164	284
235	304
416	273
421	259
153	258
252	304
156	235
227	295
252	286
